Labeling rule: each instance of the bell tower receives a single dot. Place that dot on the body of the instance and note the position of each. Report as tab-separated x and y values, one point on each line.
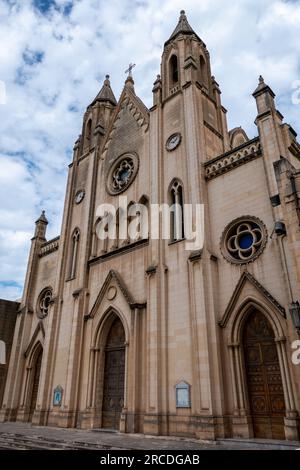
187	127
185	59
186	62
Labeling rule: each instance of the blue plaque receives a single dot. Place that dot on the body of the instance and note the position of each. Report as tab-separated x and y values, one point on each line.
57	396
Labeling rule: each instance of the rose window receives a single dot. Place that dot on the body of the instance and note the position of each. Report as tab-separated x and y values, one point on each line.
243	240
44	303
122	174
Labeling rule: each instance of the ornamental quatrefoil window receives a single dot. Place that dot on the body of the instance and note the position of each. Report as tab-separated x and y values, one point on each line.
44	302
243	240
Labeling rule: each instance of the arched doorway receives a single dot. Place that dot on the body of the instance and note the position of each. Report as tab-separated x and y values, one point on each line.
265	390
36	370
114	375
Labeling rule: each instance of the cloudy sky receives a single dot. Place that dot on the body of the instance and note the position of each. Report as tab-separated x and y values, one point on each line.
54	55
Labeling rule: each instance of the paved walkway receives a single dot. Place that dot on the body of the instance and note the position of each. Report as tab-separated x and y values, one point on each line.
26	436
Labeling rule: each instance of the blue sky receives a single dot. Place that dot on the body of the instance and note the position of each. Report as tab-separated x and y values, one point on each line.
54	55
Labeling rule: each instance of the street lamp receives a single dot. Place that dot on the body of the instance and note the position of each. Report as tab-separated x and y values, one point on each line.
295	314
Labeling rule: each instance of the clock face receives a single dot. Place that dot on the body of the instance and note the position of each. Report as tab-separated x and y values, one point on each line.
173	141
79	196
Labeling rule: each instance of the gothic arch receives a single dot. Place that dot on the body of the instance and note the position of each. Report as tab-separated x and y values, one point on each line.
104	324
32	378
36	349
249	304
176	199
97	361
203	71
74	253
173	66
88	132
241	407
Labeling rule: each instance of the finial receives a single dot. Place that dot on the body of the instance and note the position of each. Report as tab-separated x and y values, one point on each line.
261	79
157	82
42	218
129	70
182	12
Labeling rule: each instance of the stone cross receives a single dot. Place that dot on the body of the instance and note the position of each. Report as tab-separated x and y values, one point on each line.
129	70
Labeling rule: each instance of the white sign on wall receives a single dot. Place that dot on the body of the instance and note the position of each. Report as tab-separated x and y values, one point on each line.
183	399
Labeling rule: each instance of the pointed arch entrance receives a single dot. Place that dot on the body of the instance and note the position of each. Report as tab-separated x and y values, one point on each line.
263	377
114	375
35	379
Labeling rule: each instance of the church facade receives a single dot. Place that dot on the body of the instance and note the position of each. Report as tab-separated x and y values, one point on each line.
141	334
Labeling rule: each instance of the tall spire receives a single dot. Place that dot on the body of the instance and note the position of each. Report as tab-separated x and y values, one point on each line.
106	93
183	27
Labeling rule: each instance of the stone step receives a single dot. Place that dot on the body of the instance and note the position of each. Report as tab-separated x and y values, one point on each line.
26	443
32	442
39	442
268	444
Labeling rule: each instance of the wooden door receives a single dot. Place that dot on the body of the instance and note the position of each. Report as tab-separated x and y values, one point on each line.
114	374
35	384
264	381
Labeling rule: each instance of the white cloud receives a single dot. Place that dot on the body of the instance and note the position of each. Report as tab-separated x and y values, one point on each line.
53	65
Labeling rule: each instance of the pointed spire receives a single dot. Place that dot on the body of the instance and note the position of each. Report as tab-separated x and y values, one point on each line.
129	83
106	93
42	218
262	86
183	27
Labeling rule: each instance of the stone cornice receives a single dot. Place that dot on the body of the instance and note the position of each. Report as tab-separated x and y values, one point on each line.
49	246
230	160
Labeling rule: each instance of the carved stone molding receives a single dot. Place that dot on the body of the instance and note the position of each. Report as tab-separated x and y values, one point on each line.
49	247
230	160
246	276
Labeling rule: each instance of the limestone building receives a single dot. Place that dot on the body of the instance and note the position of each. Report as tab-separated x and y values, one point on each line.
141	334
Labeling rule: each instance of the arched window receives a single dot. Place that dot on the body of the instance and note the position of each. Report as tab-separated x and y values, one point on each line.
203	71
115	243
177	216
74	253
94	251
130	217
88	133
173	70
102	233
144	217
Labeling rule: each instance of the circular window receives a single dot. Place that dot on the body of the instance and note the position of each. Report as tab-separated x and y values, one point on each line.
44	302
243	240
122	173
